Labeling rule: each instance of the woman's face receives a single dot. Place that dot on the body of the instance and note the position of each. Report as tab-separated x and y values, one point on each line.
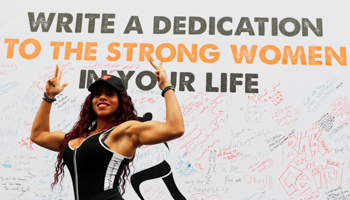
105	101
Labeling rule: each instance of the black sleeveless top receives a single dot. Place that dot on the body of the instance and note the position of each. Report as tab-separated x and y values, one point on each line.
95	169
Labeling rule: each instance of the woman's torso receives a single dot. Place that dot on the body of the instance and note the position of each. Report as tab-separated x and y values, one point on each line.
95	169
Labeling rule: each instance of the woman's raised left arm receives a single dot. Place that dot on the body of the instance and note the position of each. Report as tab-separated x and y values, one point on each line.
153	132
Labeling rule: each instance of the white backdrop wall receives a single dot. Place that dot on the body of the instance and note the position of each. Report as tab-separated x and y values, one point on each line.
263	87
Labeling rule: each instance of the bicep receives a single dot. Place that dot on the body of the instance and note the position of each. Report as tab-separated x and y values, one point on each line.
50	140
151	132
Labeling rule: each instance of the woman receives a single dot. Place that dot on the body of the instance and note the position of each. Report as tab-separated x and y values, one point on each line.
104	140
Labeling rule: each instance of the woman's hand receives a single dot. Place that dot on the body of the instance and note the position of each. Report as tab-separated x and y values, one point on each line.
160	74
53	86
154	132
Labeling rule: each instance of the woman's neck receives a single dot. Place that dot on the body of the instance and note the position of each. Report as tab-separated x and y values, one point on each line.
100	124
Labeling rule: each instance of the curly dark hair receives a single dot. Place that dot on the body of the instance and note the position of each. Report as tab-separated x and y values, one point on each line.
125	112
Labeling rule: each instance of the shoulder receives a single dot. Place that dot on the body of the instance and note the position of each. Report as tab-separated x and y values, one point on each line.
125	133
126	127
129	124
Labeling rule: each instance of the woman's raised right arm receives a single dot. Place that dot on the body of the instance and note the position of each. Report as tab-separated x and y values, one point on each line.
40	133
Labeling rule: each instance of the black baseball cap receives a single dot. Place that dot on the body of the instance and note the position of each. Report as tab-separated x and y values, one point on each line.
114	81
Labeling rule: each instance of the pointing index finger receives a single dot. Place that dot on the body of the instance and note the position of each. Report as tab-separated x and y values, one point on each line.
56	72
155	66
59	75
161	65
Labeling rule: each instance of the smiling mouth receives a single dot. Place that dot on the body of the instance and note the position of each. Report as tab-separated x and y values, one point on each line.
102	105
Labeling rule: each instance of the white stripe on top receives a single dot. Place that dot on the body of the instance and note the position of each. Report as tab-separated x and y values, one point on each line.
113	166
112	170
